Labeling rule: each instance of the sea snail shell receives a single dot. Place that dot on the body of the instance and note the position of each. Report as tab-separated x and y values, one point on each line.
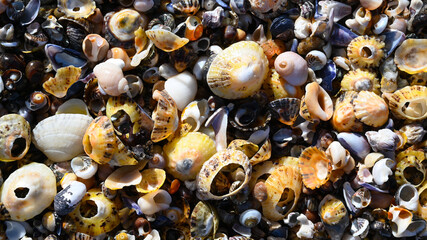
110	77
292	67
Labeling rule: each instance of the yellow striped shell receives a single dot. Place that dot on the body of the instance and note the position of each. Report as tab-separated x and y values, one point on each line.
186	155
370	109
238	71
409	168
64	78
365	51
358	80
409	102
315	167
94	220
15	137
411	56
165	116
344	118
284	187
263	154
332	211
166	40
152	179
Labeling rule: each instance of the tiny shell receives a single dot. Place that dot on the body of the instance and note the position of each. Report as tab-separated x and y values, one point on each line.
316	60
121	27
276	87
67	199
195	114
410	56
166	40
370	109
292	67
409	102
37	184
15	137
204	220
165	116
238	71
344	118
315	167
84	167
73	106
154	202
152	179
64	78
58	143
316	104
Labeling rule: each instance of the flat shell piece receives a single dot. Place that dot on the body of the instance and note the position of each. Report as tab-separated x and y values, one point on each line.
166	40
214	165
152	179
411	56
122	177
64	78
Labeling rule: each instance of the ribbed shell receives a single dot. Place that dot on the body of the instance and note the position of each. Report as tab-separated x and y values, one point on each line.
370	109
411	56
100	141
14	127
286	110
344	119
238	71
60	137
359	80
315	167
365	51
409	102
165	116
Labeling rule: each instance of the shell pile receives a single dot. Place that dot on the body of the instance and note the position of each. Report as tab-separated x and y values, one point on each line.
213	119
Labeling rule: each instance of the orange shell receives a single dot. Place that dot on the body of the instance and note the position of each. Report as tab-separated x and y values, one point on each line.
344	118
152	179
100	141
315	167
272	49
370	109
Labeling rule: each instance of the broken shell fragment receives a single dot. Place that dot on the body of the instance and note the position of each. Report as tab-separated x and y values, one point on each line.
64	78
154	202
165	116
95	47
15	137
151	180
122	177
166	40
316	103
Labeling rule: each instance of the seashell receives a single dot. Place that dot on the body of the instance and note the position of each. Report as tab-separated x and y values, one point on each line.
68	198
414	133
355	144
316	60
410	56
64	78
136	86
422	203
361	198
360	80
263	154
154	202
370	109
110	77
389	73
28	191
151	75
73	106
233	77
409	103
193	28
341	36
340	157
120	53
402	223
250	218
365	51
152	180
381	23
292	67
165	116
384	141
186	155
340	10
371	4
95	214
120	27
396	7
267	9
3	5
25	15
166	40
188	7
315	167
143	5
93	97
95	47
60	57
399	23
327	74
204	220
15	137
182	88
142	226
286	110
382	170
344	119
283	190
14	230
334	216
393	39
410	168
302	28
316	103
362	18
58	143
84	167
282	28
195	114
212	167
123	177
77	9
407	197
360	227
276	87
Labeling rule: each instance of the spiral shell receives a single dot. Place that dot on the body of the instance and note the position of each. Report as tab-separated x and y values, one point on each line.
410	56
238	71
64	78
315	167
409	168
292	67
365	51
370	109
15	137
409	102
276	87
165	116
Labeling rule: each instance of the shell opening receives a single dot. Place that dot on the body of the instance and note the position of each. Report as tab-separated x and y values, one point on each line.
88	147
18	146
286	201
406	193
121	121
415	108
413	175
21	192
366	52
88	209
221	183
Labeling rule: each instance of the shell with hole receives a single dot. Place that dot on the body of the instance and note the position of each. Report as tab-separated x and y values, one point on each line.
409	103
15	137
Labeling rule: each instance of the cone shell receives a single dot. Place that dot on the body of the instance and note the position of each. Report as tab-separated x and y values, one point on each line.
213	166
64	78
344	118
358	80
238	71
410	56
186	155
315	167
166	40
283	181
100	141
365	51
409	168
370	109
15	137
165	116
152	180
409	103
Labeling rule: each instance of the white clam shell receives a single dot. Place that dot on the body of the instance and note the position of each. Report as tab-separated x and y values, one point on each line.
84	167
182	88
60	137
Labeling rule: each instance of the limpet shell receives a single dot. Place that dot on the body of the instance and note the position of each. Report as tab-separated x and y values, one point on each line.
15	137
410	56
64	78
77	8
238	71
409	102
60	136
370	109
286	110
344	118
315	167
365	51
359	80
204	220
152	179
166	40
212	168
121	27
165	116
409	168
28	191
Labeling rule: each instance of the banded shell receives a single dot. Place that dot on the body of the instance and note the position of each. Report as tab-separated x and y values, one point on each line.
61	143
15	137
410	56
152	180
409	168
166	40
189	7
409	103
77	8
315	167
121	27
211	168
370	109
238	71
365	51
344	118
204	220
186	155
165	116
64	78
284	188
286	110
28	191
93	220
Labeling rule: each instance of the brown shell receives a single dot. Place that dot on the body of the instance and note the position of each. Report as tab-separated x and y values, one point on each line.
315	167
263	154
286	110
165	116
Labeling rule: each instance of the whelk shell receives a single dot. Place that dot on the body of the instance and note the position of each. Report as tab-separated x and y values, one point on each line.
15	137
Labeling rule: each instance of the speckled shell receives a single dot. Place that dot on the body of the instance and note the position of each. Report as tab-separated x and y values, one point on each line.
344	119
359	80
214	165
105	220
60	136
15	137
64	78
152	179
166	40
315	167
186	155
165	116
370	109
238	71
332	211
409	168
77	8
365	51
189	7
245	146
284	180
41	184
263	154
409	103
204	221
410	56
99	140
121	27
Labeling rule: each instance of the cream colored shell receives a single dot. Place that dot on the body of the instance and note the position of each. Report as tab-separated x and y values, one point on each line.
13	129
411	56
40	182
238	71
